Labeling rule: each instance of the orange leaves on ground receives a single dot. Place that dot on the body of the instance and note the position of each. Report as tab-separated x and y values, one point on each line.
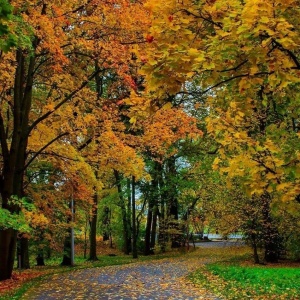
17	280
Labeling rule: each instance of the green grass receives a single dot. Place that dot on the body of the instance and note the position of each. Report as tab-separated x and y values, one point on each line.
255	282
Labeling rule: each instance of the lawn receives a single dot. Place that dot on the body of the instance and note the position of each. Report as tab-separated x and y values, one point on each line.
232	280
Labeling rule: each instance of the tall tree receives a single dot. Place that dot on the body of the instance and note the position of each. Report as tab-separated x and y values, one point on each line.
53	69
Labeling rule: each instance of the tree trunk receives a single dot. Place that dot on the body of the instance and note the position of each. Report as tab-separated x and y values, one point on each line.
93	230
134	229
153	229
67	260
162	236
8	241
68	255
128	215
171	174
270	232
148	227
125	221
254	247
85	237
40	258
24	252
106	223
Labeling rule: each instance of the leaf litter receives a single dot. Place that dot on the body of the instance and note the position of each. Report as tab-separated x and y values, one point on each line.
163	279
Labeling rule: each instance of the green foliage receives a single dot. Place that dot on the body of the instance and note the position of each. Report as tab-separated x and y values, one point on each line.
5	12
7	40
16	221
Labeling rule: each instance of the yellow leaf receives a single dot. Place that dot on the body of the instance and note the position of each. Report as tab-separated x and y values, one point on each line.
132	120
167	106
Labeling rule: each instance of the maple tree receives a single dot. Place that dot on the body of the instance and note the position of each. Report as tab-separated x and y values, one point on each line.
51	71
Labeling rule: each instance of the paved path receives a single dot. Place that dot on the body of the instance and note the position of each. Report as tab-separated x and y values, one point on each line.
219	244
162	279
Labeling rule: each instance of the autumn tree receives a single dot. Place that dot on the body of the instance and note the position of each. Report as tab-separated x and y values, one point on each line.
244	56
52	70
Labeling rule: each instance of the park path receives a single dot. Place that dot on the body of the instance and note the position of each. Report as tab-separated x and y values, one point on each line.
161	279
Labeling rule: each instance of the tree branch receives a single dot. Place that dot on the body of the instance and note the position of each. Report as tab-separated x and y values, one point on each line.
43	148
289	52
235	68
67	98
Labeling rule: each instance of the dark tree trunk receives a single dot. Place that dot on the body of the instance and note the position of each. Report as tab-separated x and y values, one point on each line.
106	222
24	253
162	235
8	241
148	227
67	256
134	229
185	224
152	211
128	215
93	230
125	221
153	230
254	247
172	202
40	258
48	252
85	238
270	232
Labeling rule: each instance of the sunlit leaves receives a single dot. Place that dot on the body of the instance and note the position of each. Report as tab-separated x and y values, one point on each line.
247	56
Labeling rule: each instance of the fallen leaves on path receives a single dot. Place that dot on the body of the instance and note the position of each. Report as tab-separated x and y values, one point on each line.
163	279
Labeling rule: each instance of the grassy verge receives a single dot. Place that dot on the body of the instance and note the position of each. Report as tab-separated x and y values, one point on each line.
233	279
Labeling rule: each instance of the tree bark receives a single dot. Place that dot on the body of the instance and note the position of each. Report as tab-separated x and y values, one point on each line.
172	202
254	247
153	229
40	258
134	229
125	221
24	252
8	241
67	261
93	230
162	236
148	226
106	223
270	232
